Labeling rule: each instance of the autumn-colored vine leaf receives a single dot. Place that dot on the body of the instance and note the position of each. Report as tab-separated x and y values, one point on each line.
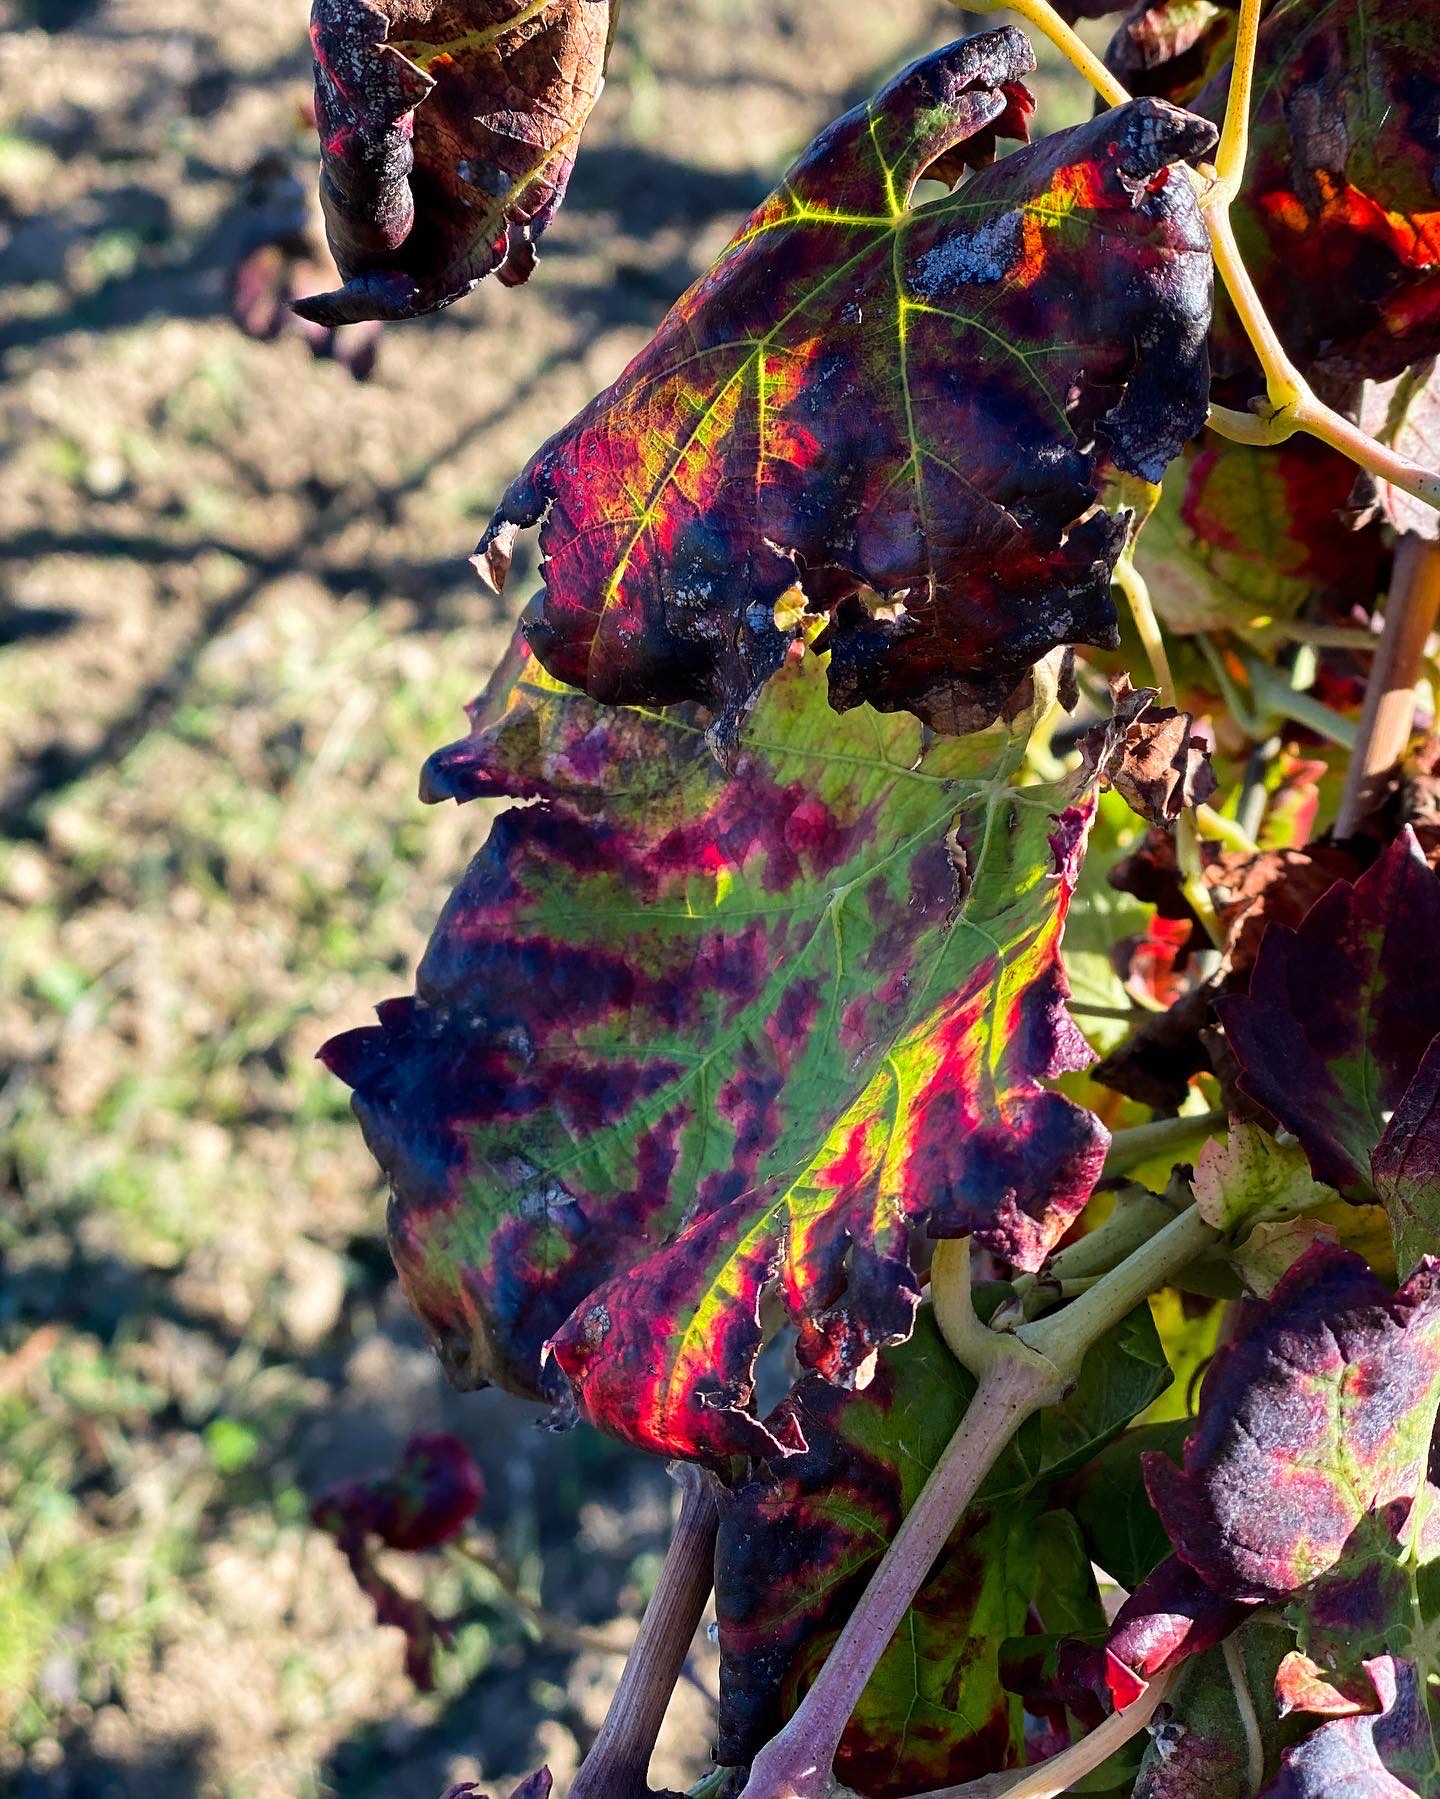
683	1040
921	401
1384	1752
1172	48
1244	536
1338	218
1319	1416
1304	1486
1172	1615
1302	1685
1250	893
448	131
796	1545
425	1500
1336	1038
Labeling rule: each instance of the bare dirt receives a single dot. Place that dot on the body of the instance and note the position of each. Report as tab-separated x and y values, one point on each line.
236	614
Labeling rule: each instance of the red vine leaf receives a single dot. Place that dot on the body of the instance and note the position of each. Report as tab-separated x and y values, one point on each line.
1363	1757
447	135
922	401
1315	1420
1173	1614
683	1041
1338	218
1302	1685
1305	1485
1250	535
427	1499
1335	1038
1305	1479
797	1545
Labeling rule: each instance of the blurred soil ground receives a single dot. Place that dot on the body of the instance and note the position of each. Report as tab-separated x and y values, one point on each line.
235	615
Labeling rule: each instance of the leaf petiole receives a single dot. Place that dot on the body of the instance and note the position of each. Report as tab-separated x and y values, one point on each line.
1019	1374
1128	1149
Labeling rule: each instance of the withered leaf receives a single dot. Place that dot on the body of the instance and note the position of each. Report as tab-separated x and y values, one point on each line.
921	401
448	131
1150	755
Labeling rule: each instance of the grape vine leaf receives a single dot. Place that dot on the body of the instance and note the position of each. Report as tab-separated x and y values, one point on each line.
1247	1178
1250	535
797	1544
448	131
1336	1038
425	1500
1405	413
1203	1737
1362	1757
926	402
1317	1418
1337	218
1305	1479
1122	1532
682	1041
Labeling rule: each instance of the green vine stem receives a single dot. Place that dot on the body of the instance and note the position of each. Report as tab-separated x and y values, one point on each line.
1018	1374
619	1758
1128	1149
1388	714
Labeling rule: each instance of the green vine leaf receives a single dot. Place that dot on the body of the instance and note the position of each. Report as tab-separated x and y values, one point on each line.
1122	1530
1219	1722
922	401
448	131
686	1046
1247	1178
